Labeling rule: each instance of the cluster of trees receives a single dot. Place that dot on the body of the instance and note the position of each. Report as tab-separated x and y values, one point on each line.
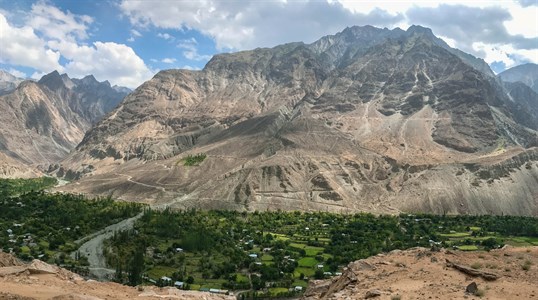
34	223
194	160
12	187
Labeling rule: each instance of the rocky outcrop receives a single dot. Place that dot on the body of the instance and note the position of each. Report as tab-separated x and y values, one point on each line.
423	274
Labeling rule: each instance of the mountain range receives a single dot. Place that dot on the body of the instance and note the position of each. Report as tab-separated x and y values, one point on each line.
368	119
44	120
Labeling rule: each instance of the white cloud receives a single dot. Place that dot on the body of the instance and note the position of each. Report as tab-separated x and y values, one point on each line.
165	36
168	60
56	24
250	24
21	46
117	63
191	50
16	73
61	36
136	33
187	67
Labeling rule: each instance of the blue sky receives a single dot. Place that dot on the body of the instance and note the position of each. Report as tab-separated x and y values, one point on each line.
128	41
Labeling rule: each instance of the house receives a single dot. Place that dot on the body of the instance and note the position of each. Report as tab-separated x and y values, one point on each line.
258	263
204	289
266	249
298	288
253	255
179	250
327	273
338	273
166	279
179	284
320	266
9	231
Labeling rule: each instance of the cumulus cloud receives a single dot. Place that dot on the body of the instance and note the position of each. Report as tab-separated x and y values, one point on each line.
191	51
117	63
165	36
467	25
526	3
21	46
16	73
168	60
51	34
244	25
54	23
477	30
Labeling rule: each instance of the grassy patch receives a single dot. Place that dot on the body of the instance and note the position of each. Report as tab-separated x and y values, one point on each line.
455	234
300	283
160	271
468	247
267	257
307	262
276	290
306	271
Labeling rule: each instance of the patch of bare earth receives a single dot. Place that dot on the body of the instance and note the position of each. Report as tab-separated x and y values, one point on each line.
419	273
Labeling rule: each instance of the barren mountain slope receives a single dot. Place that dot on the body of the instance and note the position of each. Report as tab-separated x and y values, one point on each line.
42	121
402	123
422	274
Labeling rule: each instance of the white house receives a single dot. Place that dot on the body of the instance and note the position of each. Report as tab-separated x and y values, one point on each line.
179	284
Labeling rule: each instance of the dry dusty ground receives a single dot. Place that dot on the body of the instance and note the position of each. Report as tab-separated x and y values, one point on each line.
42	281
422	274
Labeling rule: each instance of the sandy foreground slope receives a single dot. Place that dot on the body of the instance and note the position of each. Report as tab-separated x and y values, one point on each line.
422	274
39	280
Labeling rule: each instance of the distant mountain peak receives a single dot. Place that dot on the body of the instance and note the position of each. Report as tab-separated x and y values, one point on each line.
8	82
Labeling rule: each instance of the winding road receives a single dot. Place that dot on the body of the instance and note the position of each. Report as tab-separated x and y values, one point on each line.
93	248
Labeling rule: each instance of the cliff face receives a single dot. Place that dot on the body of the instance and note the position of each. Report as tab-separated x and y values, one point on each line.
368	119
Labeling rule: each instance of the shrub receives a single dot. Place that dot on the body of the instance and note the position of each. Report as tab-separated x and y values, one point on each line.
476	265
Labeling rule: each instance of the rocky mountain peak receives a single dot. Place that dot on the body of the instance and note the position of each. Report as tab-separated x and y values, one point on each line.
8	82
89	80
54	81
525	73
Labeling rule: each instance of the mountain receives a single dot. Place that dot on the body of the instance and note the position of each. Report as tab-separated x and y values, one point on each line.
368	119
43	121
8	82
526	73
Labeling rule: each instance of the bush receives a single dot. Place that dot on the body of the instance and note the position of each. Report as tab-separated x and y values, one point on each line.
194	160
476	265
